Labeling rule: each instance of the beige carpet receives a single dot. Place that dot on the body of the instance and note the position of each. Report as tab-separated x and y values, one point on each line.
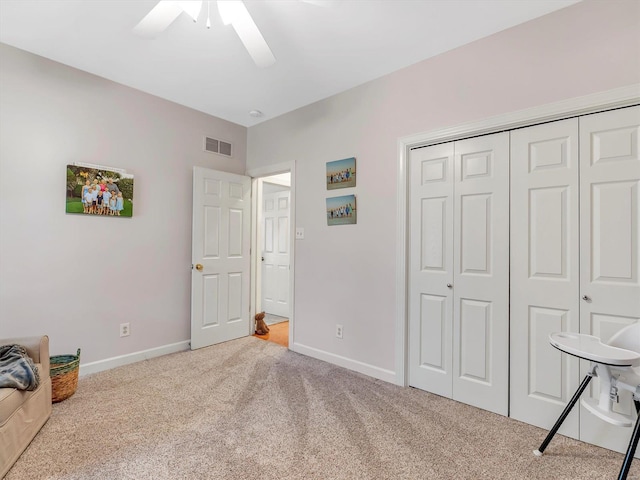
250	409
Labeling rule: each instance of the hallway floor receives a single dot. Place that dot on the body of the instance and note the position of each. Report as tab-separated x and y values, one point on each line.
278	330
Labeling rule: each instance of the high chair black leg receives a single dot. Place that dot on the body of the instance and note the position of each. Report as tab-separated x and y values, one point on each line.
633	443
564	414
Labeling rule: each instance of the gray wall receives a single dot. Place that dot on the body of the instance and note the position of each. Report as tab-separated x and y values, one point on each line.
73	277
347	275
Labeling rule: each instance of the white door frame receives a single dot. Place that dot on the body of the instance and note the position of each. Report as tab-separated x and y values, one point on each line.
255	174
617	98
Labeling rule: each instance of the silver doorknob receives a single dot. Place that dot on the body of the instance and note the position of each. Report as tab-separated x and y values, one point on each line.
449	285
586	298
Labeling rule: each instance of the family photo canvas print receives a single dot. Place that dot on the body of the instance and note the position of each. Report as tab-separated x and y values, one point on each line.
341	210
341	173
99	191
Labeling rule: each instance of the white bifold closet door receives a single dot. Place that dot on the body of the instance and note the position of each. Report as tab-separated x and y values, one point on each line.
575	231
431	269
609	246
545	261
459	270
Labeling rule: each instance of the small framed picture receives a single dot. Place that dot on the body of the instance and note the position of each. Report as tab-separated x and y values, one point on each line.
341	173
342	210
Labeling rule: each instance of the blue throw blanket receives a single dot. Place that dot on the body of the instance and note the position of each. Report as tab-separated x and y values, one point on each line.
17	370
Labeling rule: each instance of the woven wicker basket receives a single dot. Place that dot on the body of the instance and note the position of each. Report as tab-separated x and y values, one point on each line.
64	376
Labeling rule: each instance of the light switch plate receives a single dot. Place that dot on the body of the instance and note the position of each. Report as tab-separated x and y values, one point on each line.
299	233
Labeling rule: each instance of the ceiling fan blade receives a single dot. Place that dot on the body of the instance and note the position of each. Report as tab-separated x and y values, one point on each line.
319	3
158	19
235	12
191	8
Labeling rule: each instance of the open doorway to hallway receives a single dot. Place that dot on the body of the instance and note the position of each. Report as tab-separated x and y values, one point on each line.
278	330
274	252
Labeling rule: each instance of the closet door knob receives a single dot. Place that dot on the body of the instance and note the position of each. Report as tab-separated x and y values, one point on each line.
449	285
586	298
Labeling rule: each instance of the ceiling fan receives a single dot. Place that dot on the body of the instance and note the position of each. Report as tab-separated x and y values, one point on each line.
232	12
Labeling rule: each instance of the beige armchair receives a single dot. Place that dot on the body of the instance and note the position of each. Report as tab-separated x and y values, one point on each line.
22	413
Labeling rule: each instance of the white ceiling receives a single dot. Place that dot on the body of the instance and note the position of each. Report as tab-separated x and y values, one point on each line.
319	50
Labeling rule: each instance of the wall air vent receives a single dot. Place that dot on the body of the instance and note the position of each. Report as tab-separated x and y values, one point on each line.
220	147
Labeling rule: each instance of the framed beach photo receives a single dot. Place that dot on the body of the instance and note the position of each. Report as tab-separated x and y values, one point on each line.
341	173
99	191
342	210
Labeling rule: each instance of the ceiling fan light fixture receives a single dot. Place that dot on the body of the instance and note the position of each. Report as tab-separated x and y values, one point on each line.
232	12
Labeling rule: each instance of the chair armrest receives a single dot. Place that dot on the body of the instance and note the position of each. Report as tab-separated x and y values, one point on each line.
37	348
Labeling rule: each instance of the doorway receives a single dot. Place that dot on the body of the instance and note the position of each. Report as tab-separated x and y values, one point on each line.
272	242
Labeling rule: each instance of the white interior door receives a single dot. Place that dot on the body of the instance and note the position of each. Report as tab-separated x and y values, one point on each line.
544	272
431	268
610	251
220	257
481	272
275	253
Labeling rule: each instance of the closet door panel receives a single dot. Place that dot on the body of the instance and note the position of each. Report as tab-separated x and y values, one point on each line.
544	271
481	272
431	268
610	250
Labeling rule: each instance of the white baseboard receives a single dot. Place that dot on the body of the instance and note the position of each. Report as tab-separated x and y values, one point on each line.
113	362
360	367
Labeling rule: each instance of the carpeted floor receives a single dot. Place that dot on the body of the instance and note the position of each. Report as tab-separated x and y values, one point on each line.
249	409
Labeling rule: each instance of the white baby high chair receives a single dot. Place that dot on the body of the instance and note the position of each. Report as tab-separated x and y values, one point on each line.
617	365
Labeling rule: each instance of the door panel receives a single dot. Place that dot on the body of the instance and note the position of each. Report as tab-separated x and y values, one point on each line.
211	291
235	282
475	333
544	271
433	228
481	272
546	381
614	257
211	232
431	268
609	231
220	245
475	234
548	232
433	322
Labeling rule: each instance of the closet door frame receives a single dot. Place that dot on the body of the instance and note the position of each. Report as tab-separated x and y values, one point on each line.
598	102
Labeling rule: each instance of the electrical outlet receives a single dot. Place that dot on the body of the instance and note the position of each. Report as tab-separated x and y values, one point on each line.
339	331
125	331
299	233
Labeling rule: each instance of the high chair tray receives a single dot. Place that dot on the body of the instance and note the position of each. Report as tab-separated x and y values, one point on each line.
591	348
